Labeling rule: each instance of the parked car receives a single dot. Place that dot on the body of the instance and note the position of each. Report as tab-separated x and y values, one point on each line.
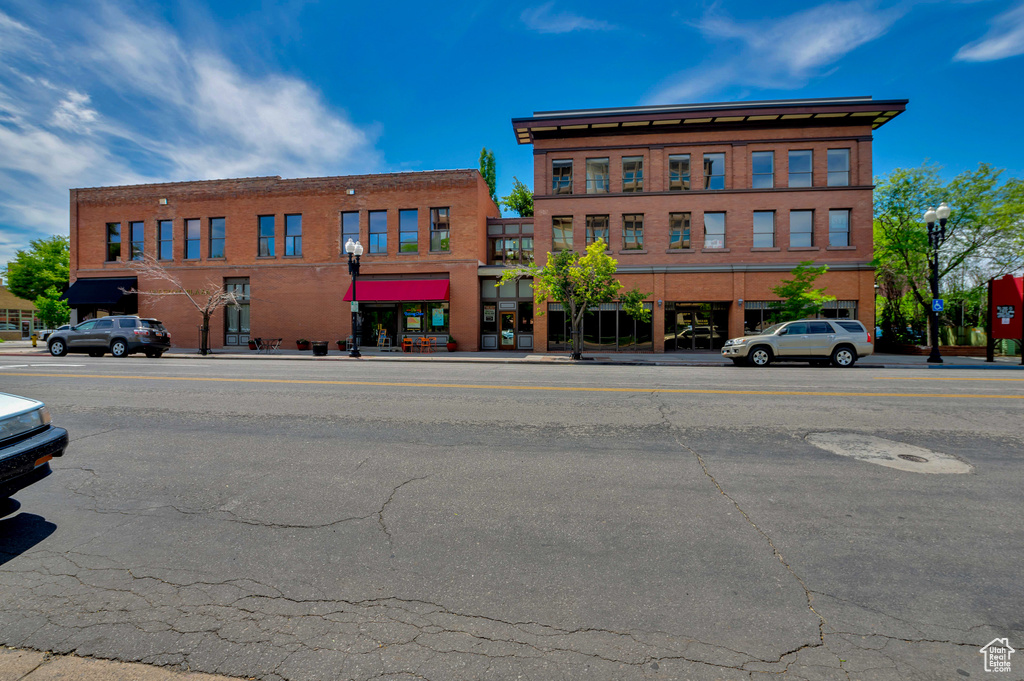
120	335
46	333
818	341
27	443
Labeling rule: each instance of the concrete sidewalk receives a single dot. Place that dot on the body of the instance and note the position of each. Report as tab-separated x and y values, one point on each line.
696	358
31	665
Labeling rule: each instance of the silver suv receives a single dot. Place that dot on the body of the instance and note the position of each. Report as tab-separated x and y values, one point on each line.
818	341
119	335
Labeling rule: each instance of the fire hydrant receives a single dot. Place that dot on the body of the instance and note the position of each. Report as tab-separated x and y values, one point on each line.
35	338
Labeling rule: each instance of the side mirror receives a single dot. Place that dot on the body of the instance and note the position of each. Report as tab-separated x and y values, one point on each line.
783	332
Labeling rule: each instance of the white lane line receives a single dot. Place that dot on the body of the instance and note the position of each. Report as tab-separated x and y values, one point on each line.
14	366
58	365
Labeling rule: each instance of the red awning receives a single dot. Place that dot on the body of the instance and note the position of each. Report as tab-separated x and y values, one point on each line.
405	290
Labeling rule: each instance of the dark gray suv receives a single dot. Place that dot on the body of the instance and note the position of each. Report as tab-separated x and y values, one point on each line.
119	335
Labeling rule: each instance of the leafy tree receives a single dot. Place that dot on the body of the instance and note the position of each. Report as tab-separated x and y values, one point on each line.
51	310
580	283
46	263
487	169
520	200
799	297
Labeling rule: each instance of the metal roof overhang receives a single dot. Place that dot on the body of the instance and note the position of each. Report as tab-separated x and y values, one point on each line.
99	291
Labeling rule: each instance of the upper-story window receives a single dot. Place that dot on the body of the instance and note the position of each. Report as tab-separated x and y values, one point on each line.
597	176
267	227
293	235
678	230
137	234
561	177
510	244
714	171
440	229
408	231
714	230
633	232
113	241
762	166
561	233
216	237
597	228
764	229
378	231
838	167
165	238
679	172
839	227
192	239
801	228
349	228
632	173
801	167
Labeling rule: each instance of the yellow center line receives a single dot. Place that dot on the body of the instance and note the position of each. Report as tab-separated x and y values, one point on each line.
941	378
469	386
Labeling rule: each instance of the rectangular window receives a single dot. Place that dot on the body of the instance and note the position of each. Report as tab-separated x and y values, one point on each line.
378	231
293	235
268	226
440	229
633	232
679	230
561	233
632	173
113	241
216	237
349	228
192	239
138	237
714	230
762	166
839	228
597	228
408	231
597	176
165	235
764	229
561	177
838	167
801	165
801	228
714	171
679	172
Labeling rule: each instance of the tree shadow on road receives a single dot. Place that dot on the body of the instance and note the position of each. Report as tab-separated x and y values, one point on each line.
20	533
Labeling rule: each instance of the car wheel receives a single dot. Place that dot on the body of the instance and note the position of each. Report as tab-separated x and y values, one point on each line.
58	349
844	356
119	348
761	356
96	353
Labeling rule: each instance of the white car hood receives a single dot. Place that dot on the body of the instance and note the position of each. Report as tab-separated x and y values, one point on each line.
12	404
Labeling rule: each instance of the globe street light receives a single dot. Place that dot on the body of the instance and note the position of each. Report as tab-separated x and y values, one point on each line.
354	249
936	236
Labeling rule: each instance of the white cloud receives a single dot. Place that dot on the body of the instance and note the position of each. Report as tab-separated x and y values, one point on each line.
1004	39
784	53
544	20
73	113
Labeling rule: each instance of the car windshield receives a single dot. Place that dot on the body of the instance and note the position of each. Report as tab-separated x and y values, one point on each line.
768	331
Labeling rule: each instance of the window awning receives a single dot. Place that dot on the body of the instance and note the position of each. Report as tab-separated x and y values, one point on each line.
404	290
98	291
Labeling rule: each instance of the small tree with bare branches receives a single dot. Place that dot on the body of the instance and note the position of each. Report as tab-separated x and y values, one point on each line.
206	301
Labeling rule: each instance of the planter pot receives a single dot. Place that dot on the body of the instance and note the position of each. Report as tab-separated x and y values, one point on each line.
341	346
302	346
253	346
320	348
452	347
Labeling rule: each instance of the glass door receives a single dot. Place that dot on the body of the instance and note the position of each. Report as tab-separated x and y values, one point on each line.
508	330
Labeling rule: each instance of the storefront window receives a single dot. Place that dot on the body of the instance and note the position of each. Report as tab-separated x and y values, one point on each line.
525	317
412	317
437	319
490	318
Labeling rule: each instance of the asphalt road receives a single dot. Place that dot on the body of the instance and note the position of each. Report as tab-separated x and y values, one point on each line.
325	520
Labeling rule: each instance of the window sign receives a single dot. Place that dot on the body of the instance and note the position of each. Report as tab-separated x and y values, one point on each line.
438	316
488	313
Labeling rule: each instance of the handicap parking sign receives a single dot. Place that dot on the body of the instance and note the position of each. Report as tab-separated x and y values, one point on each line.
938	304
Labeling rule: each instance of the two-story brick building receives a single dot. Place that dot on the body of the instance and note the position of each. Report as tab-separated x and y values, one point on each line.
707	207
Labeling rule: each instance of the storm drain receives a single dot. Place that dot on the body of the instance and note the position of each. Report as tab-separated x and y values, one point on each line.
899	455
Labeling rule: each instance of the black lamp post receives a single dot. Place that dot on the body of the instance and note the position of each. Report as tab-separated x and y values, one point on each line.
354	249
935	238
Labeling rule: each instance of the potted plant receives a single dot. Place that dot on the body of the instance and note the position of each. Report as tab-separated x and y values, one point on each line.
253	345
341	346
302	344
320	348
452	344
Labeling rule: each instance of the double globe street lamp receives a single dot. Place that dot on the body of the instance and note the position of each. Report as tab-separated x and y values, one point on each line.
936	236
354	249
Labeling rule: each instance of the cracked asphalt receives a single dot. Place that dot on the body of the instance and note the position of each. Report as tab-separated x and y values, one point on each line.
300	520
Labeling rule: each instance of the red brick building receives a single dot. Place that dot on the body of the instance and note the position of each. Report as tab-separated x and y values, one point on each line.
708	207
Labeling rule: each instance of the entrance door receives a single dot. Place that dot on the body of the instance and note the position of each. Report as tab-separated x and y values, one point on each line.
26	329
377	318
508	330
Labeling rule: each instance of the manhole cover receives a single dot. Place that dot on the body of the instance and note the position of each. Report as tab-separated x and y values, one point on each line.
911	457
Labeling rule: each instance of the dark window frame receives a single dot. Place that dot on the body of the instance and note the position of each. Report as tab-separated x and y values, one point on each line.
843	173
378	239
706	232
592	229
439	243
347	234
636	184
266	244
598	184
802	175
165	228
137	247
809	232
770	233
679	236
404	232
196	241
711	178
217	243
566	240
292	240
113	241
561	181
678	181
633	231
755	176
845	232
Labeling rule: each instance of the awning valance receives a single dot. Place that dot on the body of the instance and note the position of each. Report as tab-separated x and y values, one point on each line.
400	290
98	291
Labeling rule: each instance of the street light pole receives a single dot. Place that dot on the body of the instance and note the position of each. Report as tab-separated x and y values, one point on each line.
356	250
936	236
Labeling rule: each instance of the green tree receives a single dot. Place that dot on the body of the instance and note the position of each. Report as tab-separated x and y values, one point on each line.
52	311
488	170
46	263
520	200
580	283
799	297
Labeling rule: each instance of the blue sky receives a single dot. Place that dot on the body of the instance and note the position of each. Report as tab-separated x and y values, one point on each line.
105	93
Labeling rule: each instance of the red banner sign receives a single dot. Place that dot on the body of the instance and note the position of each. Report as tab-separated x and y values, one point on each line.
1007	307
